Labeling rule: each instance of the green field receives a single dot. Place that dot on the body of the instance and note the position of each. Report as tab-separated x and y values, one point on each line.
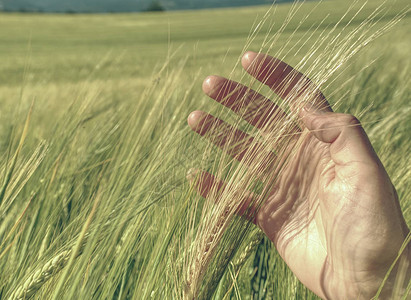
94	203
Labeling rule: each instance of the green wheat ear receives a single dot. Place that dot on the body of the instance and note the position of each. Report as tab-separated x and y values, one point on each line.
40	276
150	236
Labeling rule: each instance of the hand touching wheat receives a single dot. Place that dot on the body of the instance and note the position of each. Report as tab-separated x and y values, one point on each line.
332	212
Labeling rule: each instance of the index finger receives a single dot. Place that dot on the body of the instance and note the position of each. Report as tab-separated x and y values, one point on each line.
285	81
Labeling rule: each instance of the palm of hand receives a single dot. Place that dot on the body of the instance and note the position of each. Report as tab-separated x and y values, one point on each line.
333	213
329	239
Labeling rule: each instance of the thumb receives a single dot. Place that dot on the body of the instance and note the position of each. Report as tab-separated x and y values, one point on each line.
349	142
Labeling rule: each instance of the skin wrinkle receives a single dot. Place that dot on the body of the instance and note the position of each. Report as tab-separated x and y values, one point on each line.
353	192
284	211
340	275
354	269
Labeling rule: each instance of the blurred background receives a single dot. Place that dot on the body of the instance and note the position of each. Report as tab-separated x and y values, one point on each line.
92	6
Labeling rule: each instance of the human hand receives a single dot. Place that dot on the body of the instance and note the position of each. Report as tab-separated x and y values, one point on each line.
331	211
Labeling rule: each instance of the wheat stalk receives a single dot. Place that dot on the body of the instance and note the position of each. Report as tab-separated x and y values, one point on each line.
337	52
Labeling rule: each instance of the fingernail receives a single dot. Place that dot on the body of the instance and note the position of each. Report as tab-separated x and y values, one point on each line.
250	55
194	118
248	58
207	84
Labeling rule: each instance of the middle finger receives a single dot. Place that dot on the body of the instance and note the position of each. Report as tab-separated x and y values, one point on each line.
253	107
